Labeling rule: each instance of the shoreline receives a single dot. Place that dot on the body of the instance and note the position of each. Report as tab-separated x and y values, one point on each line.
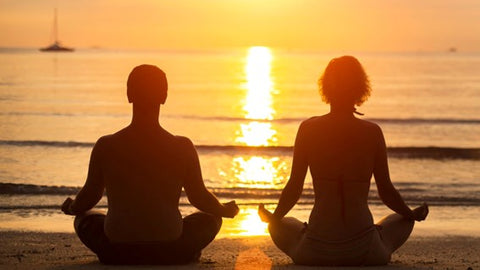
442	221
39	250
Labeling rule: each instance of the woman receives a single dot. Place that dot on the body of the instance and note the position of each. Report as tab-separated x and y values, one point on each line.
342	153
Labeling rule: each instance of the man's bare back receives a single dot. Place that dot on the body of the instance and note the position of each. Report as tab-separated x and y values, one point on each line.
152	166
143	169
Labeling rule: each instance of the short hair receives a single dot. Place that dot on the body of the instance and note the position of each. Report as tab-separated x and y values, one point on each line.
147	84
344	81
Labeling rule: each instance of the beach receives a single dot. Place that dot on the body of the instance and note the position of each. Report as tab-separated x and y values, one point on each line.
35	250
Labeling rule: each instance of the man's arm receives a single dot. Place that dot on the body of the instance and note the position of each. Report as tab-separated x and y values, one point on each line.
197	193
94	186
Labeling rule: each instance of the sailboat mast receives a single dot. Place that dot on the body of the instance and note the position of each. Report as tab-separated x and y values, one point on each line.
55	30
56	47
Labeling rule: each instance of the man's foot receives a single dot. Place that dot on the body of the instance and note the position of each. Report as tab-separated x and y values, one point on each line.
265	215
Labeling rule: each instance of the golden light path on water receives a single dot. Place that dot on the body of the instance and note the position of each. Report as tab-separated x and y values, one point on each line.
256	171
258	103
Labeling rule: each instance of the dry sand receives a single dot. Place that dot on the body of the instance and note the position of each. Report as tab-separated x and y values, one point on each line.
31	250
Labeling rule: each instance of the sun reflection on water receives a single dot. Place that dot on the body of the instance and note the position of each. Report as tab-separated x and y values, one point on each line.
257	134
258	172
250	223
258	100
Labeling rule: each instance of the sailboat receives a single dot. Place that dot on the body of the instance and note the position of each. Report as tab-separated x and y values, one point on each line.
56	46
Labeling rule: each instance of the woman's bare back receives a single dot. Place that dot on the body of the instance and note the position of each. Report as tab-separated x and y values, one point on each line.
340	152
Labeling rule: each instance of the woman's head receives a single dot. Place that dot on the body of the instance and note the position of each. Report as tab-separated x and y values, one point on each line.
344	82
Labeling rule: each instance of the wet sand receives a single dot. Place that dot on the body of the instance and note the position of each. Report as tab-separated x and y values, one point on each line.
32	250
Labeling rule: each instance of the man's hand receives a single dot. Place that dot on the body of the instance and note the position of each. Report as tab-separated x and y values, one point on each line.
230	209
421	212
67	206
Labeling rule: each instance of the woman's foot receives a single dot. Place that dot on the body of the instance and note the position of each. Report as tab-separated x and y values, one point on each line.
265	215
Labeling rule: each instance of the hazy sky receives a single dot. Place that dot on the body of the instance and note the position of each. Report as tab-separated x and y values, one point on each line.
362	25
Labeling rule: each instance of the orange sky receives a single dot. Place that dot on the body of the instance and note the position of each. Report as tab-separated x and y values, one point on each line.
373	25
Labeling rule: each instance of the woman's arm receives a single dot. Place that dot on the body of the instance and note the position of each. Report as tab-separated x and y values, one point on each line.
387	192
292	191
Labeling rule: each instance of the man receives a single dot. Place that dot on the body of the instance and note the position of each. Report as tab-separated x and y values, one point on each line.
143	169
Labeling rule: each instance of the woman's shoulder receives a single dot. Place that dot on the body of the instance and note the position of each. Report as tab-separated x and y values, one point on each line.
370	129
374	127
313	120
324	120
310	123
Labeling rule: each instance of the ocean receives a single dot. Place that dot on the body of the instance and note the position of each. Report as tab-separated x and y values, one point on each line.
241	108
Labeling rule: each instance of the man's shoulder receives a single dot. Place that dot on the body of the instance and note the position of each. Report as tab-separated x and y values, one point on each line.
110	138
105	139
183	141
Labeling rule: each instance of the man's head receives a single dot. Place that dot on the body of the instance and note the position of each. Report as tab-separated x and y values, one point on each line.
147	84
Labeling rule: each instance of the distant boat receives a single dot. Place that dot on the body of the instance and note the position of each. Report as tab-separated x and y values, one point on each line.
56	46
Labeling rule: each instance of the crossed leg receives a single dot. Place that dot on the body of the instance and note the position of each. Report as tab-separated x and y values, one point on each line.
286	233
395	230
199	229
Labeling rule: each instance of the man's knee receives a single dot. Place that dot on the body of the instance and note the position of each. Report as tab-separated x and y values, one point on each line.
217	221
80	219
203	220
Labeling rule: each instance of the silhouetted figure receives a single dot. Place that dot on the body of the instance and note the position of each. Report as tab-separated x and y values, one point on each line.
342	153
143	169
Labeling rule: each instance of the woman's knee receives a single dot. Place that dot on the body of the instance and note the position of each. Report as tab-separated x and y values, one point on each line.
396	222
287	225
286	233
395	230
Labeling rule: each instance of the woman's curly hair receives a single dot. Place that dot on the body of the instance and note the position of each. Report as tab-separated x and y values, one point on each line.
344	81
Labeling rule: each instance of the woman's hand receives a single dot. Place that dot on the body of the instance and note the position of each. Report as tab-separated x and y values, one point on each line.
265	215
230	209
67	207
420	213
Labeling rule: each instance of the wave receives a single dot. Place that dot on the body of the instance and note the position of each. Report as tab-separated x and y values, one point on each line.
285	120
63	114
244	196
430	152
46	143
24	189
